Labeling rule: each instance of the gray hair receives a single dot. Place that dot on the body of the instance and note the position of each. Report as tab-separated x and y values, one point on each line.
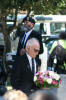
32	42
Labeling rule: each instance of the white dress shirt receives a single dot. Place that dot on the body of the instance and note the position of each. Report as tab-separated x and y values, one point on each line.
27	35
30	62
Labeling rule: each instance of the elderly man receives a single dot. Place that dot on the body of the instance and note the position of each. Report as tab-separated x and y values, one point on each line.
29	23
25	67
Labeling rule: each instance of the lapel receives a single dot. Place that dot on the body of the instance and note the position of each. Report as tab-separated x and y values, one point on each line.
30	36
27	62
22	37
28	65
36	66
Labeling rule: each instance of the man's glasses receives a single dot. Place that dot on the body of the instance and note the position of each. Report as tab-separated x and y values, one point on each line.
36	50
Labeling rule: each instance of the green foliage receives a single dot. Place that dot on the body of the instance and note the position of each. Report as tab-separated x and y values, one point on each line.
37	6
46	6
6	4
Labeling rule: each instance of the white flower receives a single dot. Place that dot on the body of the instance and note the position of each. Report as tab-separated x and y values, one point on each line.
57	77
35	78
49	80
51	73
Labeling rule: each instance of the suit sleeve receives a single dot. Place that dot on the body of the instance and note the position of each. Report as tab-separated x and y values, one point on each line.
19	48
15	74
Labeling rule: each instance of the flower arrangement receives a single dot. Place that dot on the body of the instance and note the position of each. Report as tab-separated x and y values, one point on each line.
47	79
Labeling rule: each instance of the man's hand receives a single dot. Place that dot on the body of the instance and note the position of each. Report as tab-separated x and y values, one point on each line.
22	52
39	68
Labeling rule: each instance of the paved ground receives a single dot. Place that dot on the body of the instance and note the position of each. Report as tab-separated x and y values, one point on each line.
61	91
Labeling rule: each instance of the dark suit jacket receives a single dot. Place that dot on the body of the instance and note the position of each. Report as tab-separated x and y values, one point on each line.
21	76
3	74
34	34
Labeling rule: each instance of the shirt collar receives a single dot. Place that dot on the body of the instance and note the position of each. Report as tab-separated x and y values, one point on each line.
30	61
29	57
29	32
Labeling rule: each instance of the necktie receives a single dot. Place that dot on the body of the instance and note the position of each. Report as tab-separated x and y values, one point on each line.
23	40
33	66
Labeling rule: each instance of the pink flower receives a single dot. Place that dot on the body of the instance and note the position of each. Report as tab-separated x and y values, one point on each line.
54	82
47	72
40	80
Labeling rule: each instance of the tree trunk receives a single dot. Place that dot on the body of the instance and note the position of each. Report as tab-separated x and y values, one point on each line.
7	43
6	36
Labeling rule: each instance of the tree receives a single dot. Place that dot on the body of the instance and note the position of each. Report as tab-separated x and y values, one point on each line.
44	6
63	7
13	7
5	9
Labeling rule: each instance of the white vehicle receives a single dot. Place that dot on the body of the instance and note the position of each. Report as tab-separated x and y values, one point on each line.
52	23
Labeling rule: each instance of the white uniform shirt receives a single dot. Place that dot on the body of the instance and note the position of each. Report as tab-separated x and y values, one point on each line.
27	35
